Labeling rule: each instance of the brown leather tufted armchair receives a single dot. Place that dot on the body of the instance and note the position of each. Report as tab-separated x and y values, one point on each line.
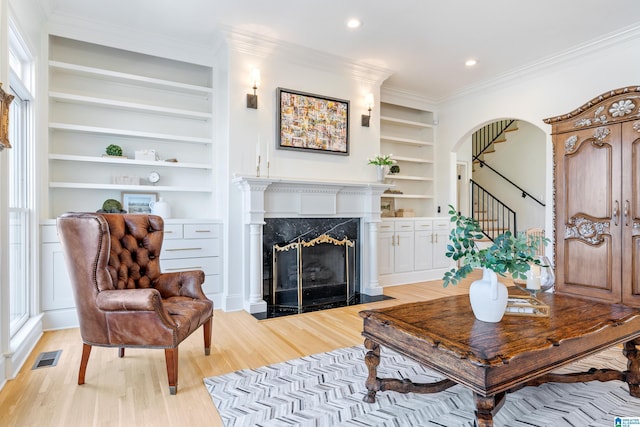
122	298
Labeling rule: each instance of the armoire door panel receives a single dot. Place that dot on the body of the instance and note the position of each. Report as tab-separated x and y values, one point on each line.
588	224
592	276
631	214
591	176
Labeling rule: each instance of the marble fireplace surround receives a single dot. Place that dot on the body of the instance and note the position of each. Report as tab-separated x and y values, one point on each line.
276	197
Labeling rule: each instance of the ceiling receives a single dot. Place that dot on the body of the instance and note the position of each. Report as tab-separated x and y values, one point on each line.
424	42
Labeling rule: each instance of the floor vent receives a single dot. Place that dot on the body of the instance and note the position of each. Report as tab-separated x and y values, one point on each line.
47	359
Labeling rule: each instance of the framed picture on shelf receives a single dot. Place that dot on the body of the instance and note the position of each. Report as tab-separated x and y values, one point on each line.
138	203
313	123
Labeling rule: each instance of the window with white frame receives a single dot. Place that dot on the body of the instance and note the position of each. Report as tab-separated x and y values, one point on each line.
21	179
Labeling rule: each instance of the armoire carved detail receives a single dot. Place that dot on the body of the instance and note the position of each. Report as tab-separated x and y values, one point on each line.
590	231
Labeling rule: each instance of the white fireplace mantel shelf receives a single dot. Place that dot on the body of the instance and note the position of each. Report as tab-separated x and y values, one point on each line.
259	180
279	197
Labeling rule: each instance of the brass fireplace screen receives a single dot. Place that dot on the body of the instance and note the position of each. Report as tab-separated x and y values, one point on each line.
308	274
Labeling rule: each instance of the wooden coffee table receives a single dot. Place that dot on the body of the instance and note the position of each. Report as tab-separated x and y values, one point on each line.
493	359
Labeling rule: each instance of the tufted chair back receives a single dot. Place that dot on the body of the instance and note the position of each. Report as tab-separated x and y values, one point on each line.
122	297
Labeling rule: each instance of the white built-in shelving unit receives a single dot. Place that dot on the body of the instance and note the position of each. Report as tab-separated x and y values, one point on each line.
408	134
100	95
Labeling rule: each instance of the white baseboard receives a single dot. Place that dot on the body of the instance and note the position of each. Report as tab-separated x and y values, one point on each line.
60	319
412	277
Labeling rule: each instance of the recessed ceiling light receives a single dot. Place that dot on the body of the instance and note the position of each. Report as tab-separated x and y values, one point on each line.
354	23
470	62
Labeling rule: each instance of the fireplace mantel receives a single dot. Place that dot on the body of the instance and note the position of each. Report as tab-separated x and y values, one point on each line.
279	197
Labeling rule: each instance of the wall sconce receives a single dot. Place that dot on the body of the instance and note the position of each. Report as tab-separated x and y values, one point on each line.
366	118
252	100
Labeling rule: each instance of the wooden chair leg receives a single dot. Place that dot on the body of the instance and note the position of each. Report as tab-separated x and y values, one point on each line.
171	359
207	337
86	351
121	352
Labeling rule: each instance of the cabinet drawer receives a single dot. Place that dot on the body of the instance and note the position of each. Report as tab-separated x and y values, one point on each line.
173	231
210	265
441	224
403	226
191	248
201	231
422	225
386	226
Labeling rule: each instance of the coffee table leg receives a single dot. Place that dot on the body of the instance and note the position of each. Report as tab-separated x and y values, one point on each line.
633	366
372	360
487	407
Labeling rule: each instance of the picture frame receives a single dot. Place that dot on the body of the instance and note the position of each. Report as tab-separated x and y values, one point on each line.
138	203
312	123
5	100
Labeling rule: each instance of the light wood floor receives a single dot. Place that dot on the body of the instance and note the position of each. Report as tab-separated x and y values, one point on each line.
133	391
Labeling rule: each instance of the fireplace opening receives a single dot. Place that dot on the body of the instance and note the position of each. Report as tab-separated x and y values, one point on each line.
313	273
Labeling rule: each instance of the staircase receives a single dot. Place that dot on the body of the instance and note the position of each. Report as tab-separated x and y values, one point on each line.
493	215
484	139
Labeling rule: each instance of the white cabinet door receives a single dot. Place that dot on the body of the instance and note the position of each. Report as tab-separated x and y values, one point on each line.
403	251
56	286
440	260
385	252
423	258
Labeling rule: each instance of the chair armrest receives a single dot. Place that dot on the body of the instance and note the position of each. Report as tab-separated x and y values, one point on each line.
129	300
181	283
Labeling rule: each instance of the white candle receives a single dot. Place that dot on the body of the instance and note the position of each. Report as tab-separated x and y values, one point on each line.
267	151
258	152
533	278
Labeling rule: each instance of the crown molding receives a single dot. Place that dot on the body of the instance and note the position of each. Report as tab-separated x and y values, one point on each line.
396	95
549	62
261	46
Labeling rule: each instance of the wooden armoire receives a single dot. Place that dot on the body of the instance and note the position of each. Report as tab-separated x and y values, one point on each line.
597	198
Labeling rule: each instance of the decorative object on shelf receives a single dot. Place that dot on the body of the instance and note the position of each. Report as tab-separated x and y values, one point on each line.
382	162
138	202
312	122
160	208
111	206
540	277
5	100
394	169
125	180
405	213
507	254
526	306
149	155
153	177
366	118
387	208
114	150
252	100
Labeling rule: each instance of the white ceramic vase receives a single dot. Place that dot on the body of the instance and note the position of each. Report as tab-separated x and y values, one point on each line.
161	208
382	171
488	297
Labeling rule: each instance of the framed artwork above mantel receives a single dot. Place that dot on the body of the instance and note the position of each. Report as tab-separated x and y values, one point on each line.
314	123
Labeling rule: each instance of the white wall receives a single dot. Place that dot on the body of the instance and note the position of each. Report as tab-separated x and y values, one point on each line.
534	95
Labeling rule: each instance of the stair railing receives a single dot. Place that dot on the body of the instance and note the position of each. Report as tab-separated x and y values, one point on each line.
484	137
493	215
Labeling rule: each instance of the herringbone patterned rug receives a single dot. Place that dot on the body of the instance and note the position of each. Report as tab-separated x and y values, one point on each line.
326	389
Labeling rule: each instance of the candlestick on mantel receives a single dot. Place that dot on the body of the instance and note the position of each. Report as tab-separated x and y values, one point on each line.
258	167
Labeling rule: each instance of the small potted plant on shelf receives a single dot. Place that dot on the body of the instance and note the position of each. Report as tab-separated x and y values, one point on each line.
114	150
508	253
382	162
